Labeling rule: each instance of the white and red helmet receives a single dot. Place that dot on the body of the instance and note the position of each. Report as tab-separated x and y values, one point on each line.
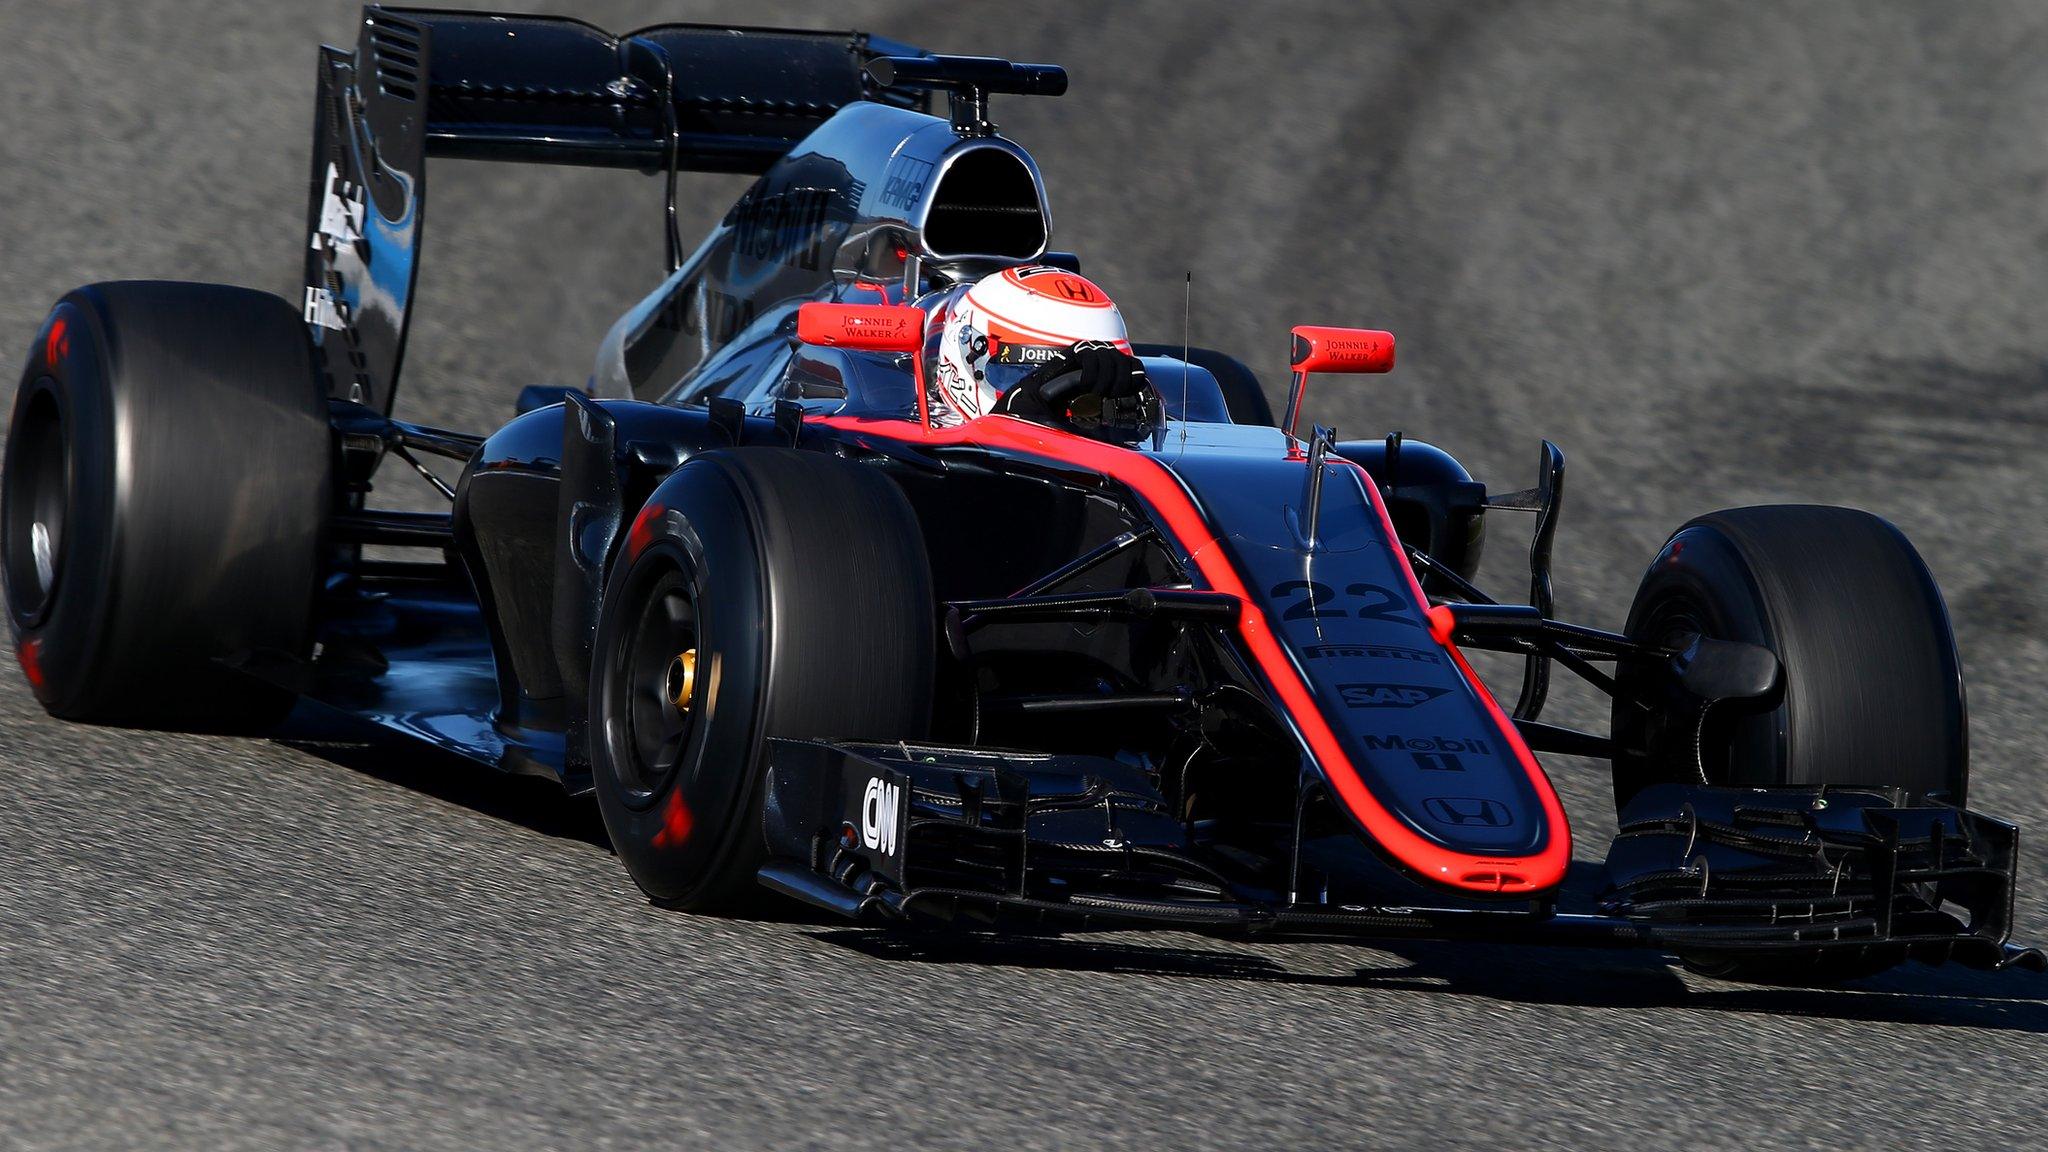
1009	323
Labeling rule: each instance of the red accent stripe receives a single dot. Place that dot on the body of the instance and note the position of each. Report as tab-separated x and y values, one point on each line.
642	533
57	344
1162	490
676	822
30	656
1050	338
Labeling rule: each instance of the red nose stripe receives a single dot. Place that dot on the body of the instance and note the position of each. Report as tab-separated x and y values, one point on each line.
1160	489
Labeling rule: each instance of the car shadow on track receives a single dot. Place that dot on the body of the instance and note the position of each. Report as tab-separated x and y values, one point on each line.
1579	977
1576	977
528	801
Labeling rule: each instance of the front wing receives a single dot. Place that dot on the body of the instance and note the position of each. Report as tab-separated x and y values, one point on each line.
1033	842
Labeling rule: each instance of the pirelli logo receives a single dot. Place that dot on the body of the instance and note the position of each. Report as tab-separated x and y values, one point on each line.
1370	652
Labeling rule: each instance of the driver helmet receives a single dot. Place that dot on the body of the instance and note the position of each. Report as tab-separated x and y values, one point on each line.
1007	324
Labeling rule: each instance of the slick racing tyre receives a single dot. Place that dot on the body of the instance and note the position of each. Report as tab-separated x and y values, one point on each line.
759	593
1872	690
166	478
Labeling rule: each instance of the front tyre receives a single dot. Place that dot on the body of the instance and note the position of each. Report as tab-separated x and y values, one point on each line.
1872	690
759	593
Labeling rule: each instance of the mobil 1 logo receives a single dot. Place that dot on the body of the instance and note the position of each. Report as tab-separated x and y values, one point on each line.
1433	753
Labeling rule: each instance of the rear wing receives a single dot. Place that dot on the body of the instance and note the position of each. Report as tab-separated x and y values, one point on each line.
534	89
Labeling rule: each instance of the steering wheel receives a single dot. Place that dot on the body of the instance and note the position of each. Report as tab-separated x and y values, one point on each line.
1117	419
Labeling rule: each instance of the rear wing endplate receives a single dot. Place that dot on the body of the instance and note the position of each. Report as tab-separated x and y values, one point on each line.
534	89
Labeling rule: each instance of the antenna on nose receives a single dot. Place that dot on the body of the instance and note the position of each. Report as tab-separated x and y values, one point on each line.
1187	321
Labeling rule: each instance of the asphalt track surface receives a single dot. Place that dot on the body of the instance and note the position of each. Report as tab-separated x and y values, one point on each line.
1723	254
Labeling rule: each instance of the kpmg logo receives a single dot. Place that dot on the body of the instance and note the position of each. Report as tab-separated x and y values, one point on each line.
905	182
1388	695
1468	812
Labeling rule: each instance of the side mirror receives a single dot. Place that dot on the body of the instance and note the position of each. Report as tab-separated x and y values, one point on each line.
1319	349
866	327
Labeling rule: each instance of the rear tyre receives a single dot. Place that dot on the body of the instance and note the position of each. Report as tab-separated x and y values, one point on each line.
759	593
166	477
1872	691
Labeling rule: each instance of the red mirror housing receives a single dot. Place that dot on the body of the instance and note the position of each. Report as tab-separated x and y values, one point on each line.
866	327
1342	349
1318	349
869	328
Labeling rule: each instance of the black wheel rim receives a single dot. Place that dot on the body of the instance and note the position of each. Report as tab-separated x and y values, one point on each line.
36	485
653	691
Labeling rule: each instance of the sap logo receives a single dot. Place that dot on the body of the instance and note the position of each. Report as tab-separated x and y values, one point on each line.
1369	652
1427	744
878	805
1387	695
1468	811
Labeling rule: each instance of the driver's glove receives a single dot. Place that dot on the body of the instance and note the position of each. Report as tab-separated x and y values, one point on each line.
1095	366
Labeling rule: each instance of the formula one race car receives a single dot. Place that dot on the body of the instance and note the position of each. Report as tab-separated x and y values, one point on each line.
1149	659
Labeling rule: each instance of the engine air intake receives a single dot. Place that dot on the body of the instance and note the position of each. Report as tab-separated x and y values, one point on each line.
986	204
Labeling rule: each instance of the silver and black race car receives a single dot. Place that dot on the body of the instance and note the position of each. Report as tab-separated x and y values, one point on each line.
1156	661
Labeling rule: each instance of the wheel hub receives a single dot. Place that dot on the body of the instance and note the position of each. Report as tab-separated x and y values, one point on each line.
681	682
34	518
650	692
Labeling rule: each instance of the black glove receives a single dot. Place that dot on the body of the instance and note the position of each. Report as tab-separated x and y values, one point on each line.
1091	366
